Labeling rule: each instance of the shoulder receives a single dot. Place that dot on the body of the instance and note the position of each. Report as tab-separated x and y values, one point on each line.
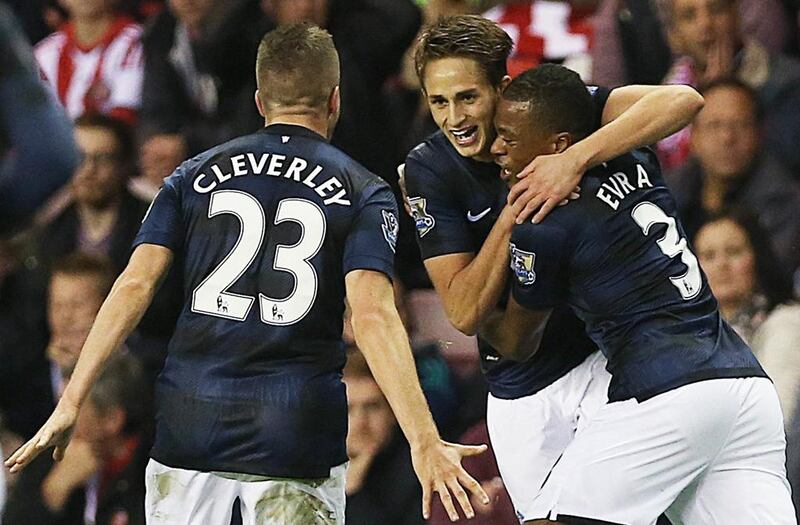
430	151
50	44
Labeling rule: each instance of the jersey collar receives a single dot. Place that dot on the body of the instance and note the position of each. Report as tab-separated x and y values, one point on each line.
292	130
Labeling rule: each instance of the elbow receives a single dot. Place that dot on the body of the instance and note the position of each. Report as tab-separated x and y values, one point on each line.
374	320
131	286
465	323
687	101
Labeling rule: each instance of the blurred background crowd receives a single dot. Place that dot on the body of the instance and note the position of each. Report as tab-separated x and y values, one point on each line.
148	83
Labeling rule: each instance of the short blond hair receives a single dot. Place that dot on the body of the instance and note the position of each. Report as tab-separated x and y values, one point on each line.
297	65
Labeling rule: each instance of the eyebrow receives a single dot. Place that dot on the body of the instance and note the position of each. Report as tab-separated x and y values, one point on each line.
470	91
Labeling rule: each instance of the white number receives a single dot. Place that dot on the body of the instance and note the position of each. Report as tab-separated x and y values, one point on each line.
212	297
294	259
646	214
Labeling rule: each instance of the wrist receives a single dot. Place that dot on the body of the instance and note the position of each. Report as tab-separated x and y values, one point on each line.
583	155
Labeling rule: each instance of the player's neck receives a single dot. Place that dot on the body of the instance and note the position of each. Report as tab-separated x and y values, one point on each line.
729	309
89	31
310	121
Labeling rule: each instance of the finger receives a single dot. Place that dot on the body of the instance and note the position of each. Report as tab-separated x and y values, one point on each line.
426	501
573	196
473	486
27	455
577	189
546	208
533	205
462	498
472	450
447	501
58	452
17	453
517	190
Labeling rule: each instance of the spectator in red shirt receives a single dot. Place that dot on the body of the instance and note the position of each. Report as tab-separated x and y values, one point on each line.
94	62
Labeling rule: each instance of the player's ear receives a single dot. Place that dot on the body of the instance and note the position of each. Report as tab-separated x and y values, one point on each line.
561	142
335	102
504	82
259	105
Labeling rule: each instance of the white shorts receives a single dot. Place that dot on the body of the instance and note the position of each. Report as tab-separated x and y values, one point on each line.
529	434
711	452
187	497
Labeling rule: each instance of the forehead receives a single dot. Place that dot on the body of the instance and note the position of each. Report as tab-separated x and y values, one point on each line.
726	101
682	6
454	74
511	115
94	138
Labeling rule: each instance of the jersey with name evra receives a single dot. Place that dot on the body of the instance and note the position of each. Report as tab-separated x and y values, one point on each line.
265	228
620	258
455	202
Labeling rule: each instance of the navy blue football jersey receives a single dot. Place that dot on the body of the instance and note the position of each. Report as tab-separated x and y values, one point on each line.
265	227
621	260
455	201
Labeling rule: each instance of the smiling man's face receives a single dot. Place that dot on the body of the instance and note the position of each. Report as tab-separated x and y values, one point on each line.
462	103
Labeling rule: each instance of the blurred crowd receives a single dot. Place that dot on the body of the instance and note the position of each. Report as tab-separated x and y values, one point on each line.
149	83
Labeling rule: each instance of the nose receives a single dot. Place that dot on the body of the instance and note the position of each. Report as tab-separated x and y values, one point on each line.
497	148
454	115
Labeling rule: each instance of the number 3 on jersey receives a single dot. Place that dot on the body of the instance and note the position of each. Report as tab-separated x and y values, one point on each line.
646	214
212	297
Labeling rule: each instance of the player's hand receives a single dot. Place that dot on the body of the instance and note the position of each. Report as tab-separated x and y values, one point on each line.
439	470
56	432
401	181
548	181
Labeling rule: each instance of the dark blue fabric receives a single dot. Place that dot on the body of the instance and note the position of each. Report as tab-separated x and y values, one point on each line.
620	259
245	389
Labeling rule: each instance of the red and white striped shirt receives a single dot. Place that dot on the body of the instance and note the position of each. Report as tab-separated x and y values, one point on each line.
543	30
106	78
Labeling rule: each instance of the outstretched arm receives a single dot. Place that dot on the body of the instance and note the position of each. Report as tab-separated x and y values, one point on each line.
123	308
380	336
634	116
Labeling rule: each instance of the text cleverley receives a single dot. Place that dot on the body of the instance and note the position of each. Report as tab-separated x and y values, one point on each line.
274	165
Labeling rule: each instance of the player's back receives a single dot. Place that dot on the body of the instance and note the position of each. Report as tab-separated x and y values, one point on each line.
623	261
265	227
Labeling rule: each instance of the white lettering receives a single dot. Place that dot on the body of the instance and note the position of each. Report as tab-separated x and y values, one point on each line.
603	196
239	166
644	179
295	168
337	199
203	189
329	186
624	182
275	164
309	181
257	168
222	177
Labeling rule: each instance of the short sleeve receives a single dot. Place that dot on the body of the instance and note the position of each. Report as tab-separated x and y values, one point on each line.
438	219
600	97
163	222
539	262
372	240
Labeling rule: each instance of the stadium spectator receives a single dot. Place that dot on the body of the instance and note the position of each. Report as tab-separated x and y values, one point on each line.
752	297
731	169
78	285
707	36
100	478
381	486
94	62
630	46
38	154
372	37
547	31
195	92
104	216
499	511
